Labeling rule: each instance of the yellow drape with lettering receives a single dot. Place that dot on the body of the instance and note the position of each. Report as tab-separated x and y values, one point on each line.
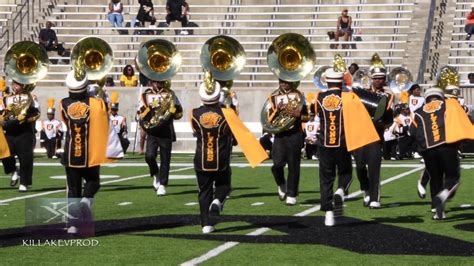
4	149
252	149
358	126
98	133
458	125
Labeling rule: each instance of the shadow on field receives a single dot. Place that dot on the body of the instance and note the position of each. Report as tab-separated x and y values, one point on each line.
367	237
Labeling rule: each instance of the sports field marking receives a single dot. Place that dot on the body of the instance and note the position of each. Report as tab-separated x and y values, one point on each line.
257	203
102	183
244	165
191	203
101	177
125	203
228	245
465	206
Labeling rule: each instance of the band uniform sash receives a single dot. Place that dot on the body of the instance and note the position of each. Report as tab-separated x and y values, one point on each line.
252	149
4	149
99	133
458	125
358	125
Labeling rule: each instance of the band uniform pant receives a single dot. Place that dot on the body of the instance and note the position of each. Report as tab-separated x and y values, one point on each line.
206	182
311	150
287	150
442	164
51	146
22	146
368	162
390	149
9	165
152	145
74	181
329	160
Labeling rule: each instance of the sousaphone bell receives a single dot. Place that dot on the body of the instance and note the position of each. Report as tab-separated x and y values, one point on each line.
291	58
158	60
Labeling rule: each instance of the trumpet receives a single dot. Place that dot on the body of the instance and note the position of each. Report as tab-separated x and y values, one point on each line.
26	62
158	60
291	58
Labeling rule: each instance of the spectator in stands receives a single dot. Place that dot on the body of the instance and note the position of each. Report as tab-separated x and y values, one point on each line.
353	68
146	12
471	78
48	39
344	27
109	82
469	24
177	10
128	78
115	13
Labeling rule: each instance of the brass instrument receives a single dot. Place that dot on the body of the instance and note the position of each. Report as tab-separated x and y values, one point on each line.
361	79
94	55
400	80
224	58
319	78
291	58
26	63
158	60
447	76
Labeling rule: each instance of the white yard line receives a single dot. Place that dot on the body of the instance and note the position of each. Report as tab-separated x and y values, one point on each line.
228	245
102	183
304	165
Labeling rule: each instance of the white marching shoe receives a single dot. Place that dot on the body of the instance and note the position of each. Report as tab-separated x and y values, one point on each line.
156	182
439	202
366	199
215	208
421	190
72	230
161	191
14	179
339	201
22	188
291	201
329	219
207	229
374	205
282	192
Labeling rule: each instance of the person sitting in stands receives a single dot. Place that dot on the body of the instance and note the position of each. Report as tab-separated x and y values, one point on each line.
177	10
115	13
146	12
344	28
48	39
469	24
128	78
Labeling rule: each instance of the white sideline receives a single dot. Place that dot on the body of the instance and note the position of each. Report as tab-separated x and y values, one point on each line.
228	245
102	183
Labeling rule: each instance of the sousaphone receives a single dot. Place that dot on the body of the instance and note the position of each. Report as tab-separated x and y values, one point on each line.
26	62
291	58
158	60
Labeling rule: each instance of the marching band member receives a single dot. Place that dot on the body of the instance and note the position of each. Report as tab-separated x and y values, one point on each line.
415	100
51	132
311	130
369	158
287	145
85	147
438	127
212	164
405	141
163	136
342	116
20	133
119	122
